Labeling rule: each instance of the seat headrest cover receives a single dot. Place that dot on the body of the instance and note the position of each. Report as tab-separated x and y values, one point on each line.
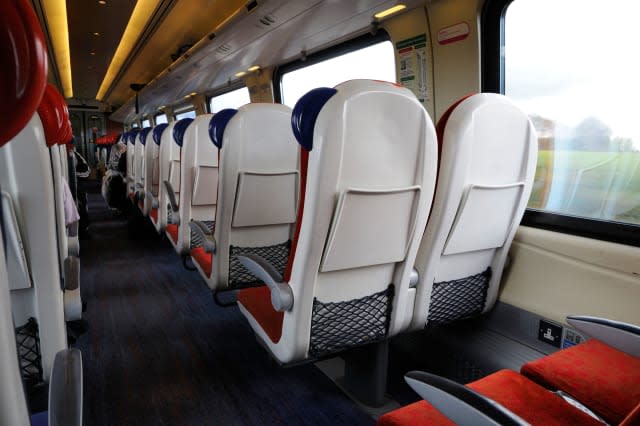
218	123
23	75
51	115
132	136
157	132
179	129
305	113
143	135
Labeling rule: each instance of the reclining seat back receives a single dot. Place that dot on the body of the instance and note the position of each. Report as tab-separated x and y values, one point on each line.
368	172
152	172
198	181
487	164
130	178
257	190
171	186
165	150
143	136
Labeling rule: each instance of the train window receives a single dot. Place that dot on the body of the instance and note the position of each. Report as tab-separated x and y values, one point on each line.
578	87
233	99
134	125
161	118
146	123
186	114
375	61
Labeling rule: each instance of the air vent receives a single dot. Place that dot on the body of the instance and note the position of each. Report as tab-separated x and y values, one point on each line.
252	5
267	20
223	48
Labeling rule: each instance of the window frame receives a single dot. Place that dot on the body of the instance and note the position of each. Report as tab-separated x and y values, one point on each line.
184	111
357	43
493	81
234	86
155	117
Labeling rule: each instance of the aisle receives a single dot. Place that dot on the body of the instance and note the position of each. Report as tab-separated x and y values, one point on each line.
159	351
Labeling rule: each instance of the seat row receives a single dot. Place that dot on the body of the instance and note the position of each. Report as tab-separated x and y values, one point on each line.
328	218
39	266
596	382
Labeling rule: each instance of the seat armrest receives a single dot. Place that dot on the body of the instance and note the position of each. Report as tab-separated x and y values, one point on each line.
65	389
71	273
459	403
622	336
171	195
154	200
208	241
281	293
73	229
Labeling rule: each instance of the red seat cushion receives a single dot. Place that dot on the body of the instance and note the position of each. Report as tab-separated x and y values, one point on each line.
602	378
172	230
257	301
528	400
203	258
154	215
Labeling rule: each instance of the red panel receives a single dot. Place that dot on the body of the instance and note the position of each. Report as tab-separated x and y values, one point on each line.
204	259
172	231
602	378
257	301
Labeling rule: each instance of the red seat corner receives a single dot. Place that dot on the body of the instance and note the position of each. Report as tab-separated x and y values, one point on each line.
257	301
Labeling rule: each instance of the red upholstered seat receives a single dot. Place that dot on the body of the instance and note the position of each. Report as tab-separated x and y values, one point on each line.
172	230
257	301
203	259
154	215
528	400
602	378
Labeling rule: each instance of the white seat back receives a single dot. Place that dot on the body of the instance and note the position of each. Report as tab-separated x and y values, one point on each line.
131	154
151	181
141	139
372	156
487	165
257	192
198	181
165	154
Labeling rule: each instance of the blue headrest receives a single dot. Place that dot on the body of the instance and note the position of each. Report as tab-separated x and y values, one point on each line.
132	136
143	135
179	129
305	113
218	123
157	132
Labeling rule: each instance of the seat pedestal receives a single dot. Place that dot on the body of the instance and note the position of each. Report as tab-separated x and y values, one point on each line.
365	373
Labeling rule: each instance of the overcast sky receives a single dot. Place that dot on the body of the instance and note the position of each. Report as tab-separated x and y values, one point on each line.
570	59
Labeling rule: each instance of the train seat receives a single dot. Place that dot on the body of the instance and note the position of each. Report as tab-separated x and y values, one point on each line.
54	116
171	186
139	164
368	167
257	187
152	173
504	397
488	153
198	183
602	373
131	154
166	150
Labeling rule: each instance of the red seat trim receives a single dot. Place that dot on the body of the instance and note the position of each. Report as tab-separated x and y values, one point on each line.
172	231
204	259
257	301
153	214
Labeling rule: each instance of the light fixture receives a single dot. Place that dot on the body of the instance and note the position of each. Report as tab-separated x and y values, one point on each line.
142	13
102	2
253	68
395	9
192	94
241	74
162	107
55	12
92	53
96	34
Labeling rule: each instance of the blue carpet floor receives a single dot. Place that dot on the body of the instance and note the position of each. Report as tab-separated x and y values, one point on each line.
159	351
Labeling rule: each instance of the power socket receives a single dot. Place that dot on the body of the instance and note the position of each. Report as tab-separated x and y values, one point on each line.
550	333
